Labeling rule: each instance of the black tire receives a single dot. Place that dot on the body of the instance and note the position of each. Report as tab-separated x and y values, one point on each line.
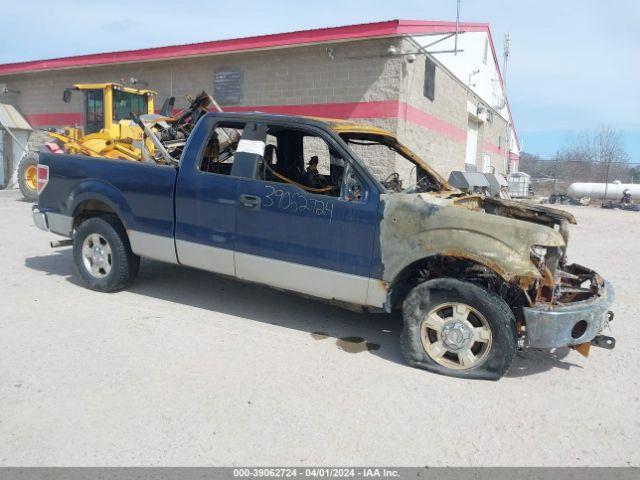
497	355
30	160
122	262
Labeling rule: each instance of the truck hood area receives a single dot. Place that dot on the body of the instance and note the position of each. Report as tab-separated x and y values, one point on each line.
527	211
517	210
496	233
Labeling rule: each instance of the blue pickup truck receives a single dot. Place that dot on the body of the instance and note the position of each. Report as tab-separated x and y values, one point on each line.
341	212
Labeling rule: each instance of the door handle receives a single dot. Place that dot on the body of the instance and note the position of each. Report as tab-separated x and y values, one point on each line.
250	202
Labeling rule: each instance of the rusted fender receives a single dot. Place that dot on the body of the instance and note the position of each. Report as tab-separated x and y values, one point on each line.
412	229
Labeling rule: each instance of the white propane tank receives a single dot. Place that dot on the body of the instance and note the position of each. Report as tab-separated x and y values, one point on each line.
597	190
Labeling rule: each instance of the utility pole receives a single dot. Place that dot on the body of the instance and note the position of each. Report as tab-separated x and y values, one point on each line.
555	175
507	52
606	185
455	41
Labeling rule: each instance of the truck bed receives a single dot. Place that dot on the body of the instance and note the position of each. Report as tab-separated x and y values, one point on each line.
148	189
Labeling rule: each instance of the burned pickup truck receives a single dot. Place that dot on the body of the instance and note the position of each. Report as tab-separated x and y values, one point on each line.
308	206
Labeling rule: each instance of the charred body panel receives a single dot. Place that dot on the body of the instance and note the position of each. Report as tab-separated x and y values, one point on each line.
412	228
493	243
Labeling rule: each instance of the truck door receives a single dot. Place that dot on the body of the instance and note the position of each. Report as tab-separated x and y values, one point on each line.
319	240
206	193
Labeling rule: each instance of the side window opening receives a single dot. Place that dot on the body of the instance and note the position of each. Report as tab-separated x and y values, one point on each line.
270	157
302	158
219	151
386	164
316	150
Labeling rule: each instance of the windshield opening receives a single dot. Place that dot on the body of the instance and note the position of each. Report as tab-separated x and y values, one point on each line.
394	166
124	103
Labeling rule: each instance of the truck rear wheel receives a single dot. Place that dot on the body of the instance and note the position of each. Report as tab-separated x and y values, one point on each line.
28	176
459	329
102	255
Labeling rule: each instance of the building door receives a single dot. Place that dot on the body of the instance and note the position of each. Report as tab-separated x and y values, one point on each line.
8	165
472	143
3	163
486	164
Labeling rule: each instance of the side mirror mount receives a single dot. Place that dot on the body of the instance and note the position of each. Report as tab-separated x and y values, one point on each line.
66	95
353	189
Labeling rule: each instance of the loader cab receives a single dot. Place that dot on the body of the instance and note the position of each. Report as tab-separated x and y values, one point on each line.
106	104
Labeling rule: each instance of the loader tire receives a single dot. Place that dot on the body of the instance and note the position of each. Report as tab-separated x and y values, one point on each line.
28	176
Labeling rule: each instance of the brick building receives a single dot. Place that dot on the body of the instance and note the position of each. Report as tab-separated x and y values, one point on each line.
449	108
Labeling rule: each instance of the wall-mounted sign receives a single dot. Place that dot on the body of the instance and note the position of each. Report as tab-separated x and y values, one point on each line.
228	86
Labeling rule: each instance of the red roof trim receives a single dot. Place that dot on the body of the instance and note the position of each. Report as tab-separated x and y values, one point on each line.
303	37
495	59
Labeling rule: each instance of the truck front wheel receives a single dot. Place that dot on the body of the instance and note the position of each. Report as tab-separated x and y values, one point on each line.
102	255
459	329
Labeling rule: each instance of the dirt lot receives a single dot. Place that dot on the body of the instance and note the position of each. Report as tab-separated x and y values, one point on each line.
186	368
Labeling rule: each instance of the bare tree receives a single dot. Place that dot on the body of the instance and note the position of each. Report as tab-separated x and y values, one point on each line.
603	145
596	155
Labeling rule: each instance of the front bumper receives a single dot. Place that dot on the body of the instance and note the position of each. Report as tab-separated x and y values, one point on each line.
52	222
562	325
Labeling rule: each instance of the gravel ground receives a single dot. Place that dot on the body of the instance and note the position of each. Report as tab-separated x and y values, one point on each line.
187	368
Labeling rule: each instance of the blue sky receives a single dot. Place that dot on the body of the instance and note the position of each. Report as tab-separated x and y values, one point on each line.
574	64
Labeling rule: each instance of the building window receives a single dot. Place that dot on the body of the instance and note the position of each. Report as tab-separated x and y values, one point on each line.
429	78
486	50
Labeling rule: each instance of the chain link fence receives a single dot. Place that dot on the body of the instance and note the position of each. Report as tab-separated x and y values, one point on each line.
549	176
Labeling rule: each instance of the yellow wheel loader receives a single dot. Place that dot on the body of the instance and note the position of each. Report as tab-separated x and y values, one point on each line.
108	129
120	123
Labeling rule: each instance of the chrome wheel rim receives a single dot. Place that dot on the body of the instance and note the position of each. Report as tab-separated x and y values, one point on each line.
456	336
97	256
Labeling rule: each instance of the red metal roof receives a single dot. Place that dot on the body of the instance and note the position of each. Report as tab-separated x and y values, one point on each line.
388	28
302	37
